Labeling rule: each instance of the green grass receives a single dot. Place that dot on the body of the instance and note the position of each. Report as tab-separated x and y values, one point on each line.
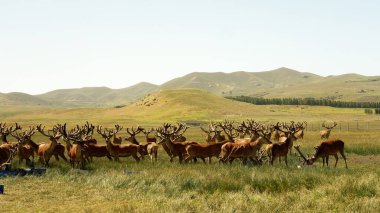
172	187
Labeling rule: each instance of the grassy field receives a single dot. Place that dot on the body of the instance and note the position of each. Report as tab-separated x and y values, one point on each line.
172	187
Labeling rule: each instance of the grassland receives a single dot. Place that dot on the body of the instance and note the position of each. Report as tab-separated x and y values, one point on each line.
172	187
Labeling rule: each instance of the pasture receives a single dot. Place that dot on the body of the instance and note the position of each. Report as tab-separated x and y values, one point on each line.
174	187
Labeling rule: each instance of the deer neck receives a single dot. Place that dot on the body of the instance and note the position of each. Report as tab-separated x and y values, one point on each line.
134	140
34	145
4	138
170	144
53	144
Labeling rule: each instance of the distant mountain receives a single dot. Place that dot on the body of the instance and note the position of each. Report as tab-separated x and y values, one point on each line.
282	82
18	98
97	96
243	83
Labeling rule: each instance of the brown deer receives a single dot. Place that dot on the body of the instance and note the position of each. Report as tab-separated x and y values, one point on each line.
213	133
281	149
58	152
118	150
76	150
4	133
147	138
229	129
6	156
244	150
209	150
325	134
117	140
24	151
148	148
327	148
45	151
168	135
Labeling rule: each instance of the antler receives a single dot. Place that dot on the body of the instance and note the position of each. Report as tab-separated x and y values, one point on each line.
133	131
41	129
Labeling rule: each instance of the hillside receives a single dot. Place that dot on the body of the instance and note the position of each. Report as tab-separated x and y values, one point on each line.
98	96
278	83
242	83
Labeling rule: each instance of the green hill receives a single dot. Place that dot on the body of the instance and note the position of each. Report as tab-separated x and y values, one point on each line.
278	83
243	83
97	96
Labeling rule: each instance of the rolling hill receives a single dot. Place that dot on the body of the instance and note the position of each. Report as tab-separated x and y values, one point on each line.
278	83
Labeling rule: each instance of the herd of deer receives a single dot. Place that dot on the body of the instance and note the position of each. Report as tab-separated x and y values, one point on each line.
233	144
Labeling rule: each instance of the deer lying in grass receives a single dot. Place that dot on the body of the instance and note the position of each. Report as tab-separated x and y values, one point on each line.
168	135
148	148
45	151
325	134
117	150
327	148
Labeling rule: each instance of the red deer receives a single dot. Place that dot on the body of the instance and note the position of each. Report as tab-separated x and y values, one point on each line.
203	150
5	131
117	140
325	134
229	129
281	149
117	150
147	138
168	134
59	150
6	156
213	133
45	151
327	148
24	151
244	150
76	150
149	148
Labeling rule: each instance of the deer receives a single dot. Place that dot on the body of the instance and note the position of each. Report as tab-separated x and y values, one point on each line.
45	151
229	129
327	148
208	150
59	150
5	131
213	133
6	156
301	132
149	148
76	150
24	151
244	150
149	139
325	134
118	150
168	135
281	149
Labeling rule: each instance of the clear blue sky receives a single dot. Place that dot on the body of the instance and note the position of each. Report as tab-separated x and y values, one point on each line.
46	44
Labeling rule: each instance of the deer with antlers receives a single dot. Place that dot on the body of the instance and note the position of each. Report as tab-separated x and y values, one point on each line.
281	149
325	134
45	151
5	131
244	150
229	129
149	148
76	150
213	133
118	150
6	156
168	135
24	151
327	148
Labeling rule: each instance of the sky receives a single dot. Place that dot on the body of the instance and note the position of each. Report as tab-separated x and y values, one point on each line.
55	44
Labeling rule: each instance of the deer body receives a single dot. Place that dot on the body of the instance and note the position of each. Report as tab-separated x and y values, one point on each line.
244	150
329	147
203	150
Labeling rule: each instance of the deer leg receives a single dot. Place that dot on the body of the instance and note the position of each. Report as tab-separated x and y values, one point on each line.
136	158
272	160
323	160
327	160
204	161
63	157
336	159
56	157
344	158
286	160
209	160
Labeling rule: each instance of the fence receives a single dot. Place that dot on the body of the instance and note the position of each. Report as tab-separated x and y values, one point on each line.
347	126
